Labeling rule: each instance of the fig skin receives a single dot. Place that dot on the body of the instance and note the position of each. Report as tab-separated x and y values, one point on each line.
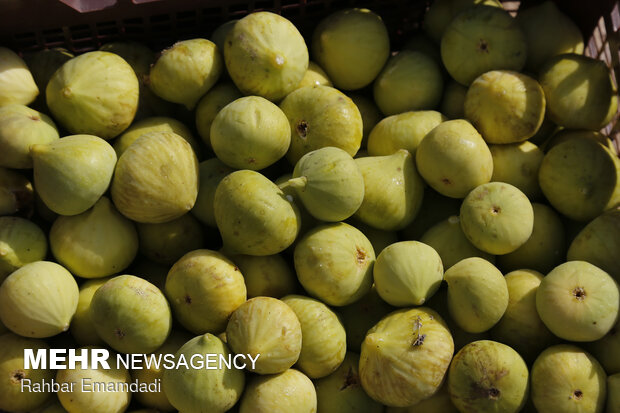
21	242
442	12
210	105
167	242
288	392
16	82
518	164
268	275
315	75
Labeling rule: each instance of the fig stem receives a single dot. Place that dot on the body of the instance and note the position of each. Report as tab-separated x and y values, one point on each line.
297	183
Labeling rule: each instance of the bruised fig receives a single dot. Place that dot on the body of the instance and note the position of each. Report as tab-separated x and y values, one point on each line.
288	392
16	82
38	300
72	173
21	242
405	357
118	313
186	71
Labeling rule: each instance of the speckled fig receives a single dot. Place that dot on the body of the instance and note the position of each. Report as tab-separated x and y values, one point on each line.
288	392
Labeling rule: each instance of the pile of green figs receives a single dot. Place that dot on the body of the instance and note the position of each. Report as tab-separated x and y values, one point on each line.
428	227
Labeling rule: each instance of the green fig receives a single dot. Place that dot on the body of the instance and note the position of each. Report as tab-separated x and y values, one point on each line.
211	172
477	294
324	342
352	45
21	242
156	178
578	301
109	252
72	173
566	134
329	183
16	82
448	239
409	81
82	327
442	12
497	218
253	215
334	263
250	133
21	127
505	106
204	288
454	159
184	72
480	39
548	32
265	55
154	124
167	242
407	273
131	315
370	114
580	178
520	327
321	116
14	395
95	93
579	91
402	131
518	164
567	379
268	275
210	105
405	357
487	376
342	392
453	100
598	243
267	329
393	190
287	392
545	248
314	76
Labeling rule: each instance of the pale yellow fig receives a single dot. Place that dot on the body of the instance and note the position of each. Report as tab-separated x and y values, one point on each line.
407	273
86	398
21	242
21	127
288	392
266	328
334	263
38	300
448	239
409	81
250	133
211	173
402	131
154	124
72	173
442	12
321	116
580	178
82	327
453	100
548	32
156	178
324	342
16	387
477	294
520	327
544	249
184	72
505	106
613	394
109	252
370	115
567	379
518	164
393	190
210	105
253	215
268	275
405	357
265	55
95	93
479	39
487	376
578	301
598	243
315	75
16	82
167	242
454	159
204	288
352	45
16	193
